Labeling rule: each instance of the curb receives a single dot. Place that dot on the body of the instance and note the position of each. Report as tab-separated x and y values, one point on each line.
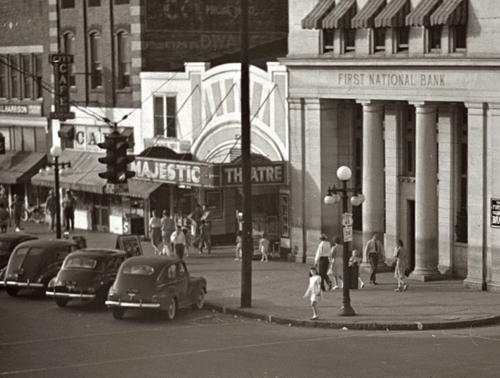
358	326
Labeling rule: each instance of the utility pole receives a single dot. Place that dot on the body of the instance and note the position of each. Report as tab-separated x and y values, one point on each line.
247	247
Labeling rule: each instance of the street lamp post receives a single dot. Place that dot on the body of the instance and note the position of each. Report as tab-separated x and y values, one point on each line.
334	195
56	151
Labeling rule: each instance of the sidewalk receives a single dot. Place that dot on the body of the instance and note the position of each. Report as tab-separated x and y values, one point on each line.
278	287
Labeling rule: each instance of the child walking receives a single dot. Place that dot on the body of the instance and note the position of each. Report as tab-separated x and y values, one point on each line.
314	291
189	241
239	242
355	261
264	248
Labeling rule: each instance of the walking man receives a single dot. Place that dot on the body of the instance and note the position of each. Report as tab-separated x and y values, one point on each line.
373	251
178	239
167	228
18	211
51	208
205	237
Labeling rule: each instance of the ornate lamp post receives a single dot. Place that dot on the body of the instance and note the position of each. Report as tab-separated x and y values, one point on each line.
56	152
333	197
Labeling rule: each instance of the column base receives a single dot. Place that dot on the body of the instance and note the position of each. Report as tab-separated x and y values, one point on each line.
474	284
427	276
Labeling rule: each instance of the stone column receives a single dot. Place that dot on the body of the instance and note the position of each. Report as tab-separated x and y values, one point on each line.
477	196
373	171
448	181
426	200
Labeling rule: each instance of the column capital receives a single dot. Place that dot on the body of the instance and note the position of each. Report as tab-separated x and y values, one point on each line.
424	107
476	108
371	106
295	103
494	109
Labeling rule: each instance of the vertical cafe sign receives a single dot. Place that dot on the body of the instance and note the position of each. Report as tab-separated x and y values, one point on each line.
62	67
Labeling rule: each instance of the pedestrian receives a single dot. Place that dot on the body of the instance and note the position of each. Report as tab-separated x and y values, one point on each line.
401	265
69	203
189	240
207	216
4	218
204	240
374	250
3	197
18	210
264	248
314	291
337	263
239	249
195	218
155	231
51	208
355	262
178	239
322	261
167	228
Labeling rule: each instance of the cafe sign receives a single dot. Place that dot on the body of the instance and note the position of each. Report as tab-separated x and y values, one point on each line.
176	172
261	174
495	212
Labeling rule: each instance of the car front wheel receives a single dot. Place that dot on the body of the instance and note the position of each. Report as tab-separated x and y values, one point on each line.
118	313
62	302
200	300
12	291
171	309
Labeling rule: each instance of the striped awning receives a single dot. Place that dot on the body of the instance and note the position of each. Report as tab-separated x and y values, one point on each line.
450	12
315	17
364	19
19	166
341	16
393	15
421	15
141	188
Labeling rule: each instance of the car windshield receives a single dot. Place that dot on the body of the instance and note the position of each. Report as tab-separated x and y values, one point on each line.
81	263
143	270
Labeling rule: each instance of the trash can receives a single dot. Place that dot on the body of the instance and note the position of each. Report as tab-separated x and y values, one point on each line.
353	275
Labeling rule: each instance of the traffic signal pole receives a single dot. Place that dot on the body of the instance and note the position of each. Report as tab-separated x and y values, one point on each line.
247	245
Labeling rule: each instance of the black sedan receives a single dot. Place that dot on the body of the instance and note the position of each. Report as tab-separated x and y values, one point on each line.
8	242
86	274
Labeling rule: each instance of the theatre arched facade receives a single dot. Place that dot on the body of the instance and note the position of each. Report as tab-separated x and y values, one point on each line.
405	93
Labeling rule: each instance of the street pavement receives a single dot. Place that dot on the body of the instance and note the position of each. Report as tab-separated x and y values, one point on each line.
278	288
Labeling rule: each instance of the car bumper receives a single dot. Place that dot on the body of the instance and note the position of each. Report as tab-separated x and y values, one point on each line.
132	304
56	294
28	285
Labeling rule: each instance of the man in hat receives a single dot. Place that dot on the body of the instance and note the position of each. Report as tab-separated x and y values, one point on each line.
178	239
51	208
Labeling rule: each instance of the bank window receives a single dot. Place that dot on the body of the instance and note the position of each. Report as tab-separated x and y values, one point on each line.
327	40
459	35
402	38
95	60
68	43
348	40
94	3
434	38
123	60
165	108
462	218
65	4
122	2
14	76
409	142
3	78
378	39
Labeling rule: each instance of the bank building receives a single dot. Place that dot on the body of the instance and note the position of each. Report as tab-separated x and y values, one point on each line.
405	93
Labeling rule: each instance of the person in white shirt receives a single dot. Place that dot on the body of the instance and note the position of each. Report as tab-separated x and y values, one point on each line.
178	239
322	261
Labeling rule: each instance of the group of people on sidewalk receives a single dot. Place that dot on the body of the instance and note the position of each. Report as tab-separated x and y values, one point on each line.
328	263
171	239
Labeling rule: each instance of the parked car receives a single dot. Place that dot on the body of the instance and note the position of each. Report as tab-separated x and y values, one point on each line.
155	282
34	263
7	244
86	274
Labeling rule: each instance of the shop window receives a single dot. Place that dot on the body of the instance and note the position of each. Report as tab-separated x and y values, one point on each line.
409	143
328	40
165	108
402	38
213	201
27	76
123	59
65	4
459	35
68	43
14	76
3	78
349	40
94	3
434	38
95	60
378	39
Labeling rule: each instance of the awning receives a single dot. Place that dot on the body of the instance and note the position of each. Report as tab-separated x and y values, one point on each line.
67	131
19	166
141	188
393	15
315	17
364	19
450	12
420	16
340	17
82	175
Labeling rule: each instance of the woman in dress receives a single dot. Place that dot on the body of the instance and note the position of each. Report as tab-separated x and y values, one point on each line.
155	231
337	264
322	261
314	291
401	265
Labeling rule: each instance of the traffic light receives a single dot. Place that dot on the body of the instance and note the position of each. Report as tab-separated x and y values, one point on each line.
116	159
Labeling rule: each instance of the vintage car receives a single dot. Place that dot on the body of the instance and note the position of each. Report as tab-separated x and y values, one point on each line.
34	263
155	282
7	244
86	274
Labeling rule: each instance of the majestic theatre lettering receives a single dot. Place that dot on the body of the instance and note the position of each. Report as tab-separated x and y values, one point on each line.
273	173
